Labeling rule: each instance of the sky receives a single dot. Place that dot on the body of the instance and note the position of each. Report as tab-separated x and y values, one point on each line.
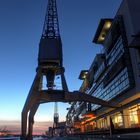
21	24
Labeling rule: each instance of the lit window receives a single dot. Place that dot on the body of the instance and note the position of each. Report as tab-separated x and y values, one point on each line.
134	115
117	120
103	123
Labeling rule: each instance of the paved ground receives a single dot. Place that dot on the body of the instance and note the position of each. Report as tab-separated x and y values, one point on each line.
102	137
64	138
129	136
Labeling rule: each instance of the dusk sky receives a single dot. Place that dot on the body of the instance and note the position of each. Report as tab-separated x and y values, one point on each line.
21	23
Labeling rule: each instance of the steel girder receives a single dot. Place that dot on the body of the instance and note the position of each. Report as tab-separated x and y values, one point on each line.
38	96
30	102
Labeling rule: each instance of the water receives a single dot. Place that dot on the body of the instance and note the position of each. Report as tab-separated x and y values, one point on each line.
9	138
18	138
37	138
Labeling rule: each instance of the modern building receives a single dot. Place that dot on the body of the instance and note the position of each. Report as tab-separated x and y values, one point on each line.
114	75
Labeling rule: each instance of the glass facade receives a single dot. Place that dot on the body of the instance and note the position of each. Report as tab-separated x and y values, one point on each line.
99	71
116	52
111	77
118	83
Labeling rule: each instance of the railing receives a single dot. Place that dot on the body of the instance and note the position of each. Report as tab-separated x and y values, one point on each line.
129	133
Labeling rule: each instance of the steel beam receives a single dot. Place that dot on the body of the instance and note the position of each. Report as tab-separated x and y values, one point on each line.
24	124
62	96
38	96
31	120
30	101
63	81
24	120
80	96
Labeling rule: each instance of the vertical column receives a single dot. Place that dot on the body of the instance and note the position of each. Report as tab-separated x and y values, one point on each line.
30	129
24	124
126	118
63	80
106	123
111	126
31	120
122	114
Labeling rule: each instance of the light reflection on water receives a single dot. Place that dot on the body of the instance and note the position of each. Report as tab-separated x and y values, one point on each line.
17	138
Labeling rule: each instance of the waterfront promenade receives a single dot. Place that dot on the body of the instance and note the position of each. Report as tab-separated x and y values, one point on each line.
132	136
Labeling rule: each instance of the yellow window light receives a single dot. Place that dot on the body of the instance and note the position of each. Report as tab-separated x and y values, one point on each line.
102	30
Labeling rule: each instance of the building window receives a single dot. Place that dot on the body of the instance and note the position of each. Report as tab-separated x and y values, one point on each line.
134	114
115	87
117	77
102	123
117	120
116	52
99	71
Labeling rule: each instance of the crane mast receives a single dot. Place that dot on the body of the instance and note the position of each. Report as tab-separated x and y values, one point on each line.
50	46
51	39
50	50
51	25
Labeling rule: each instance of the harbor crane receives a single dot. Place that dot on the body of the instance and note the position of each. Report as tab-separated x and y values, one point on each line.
50	65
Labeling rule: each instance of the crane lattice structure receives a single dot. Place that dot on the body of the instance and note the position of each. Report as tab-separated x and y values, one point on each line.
51	25
50	65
